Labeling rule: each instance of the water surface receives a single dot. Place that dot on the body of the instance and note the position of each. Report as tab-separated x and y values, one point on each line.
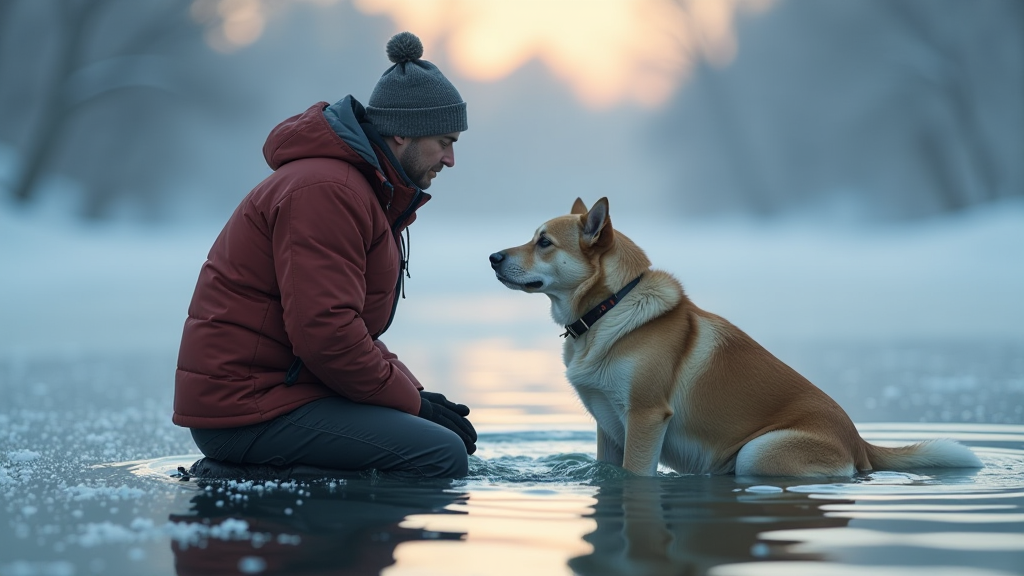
87	452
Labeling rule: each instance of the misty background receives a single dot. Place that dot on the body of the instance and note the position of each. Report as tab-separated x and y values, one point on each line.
813	170
879	109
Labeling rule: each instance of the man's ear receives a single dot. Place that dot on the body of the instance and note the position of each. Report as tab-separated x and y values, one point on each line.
396	143
578	207
597	226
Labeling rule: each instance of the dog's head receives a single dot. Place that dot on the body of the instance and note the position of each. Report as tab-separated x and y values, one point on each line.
562	254
565	259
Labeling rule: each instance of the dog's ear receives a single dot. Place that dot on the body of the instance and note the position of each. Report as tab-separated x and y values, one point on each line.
597	225
578	207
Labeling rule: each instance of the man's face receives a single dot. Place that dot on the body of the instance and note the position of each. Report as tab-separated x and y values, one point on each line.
422	158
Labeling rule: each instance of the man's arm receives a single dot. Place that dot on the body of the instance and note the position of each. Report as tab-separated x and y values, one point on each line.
320	239
393	358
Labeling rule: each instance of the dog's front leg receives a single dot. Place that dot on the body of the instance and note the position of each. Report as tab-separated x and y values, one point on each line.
645	434
607	449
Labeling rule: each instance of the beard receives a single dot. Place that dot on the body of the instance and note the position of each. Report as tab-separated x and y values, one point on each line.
416	167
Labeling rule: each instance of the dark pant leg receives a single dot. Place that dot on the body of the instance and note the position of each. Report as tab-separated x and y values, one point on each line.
343	435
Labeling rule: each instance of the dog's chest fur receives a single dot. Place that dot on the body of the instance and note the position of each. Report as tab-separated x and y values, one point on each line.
600	386
603	376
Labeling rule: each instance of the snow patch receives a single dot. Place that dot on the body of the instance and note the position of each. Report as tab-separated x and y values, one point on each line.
22	455
122	492
93	534
143	529
252	565
184	533
764	489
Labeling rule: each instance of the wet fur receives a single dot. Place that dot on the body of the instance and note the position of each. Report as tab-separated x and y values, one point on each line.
670	383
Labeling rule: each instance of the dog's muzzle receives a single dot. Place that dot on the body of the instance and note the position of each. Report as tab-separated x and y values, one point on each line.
497	263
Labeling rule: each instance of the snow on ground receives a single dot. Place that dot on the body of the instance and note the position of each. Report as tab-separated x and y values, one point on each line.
78	287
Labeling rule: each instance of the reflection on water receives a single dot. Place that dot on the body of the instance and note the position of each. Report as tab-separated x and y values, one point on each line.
534	393
688	525
532	531
310	529
538	502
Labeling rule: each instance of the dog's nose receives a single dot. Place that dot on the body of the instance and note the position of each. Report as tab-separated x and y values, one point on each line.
496	259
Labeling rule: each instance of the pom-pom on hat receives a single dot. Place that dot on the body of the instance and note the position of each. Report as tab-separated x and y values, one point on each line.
413	98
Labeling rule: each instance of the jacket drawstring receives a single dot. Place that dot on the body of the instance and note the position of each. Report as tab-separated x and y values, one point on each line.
391	191
403	270
405	247
293	372
408	252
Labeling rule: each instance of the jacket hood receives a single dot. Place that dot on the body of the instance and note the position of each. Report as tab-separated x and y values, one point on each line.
322	131
342	131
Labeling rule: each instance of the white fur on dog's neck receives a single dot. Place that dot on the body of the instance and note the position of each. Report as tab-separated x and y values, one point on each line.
561	309
623	262
657	293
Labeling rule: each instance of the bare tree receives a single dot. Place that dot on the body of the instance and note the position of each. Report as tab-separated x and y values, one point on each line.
729	137
944	69
83	82
901	108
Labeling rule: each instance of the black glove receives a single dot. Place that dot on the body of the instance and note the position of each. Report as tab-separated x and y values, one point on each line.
460	409
438	409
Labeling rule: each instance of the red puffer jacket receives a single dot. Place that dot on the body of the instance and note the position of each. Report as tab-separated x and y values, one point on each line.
307	267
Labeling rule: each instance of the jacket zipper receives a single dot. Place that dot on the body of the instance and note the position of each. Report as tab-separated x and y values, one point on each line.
403	267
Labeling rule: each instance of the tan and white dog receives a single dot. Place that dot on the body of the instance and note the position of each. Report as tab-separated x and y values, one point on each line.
669	382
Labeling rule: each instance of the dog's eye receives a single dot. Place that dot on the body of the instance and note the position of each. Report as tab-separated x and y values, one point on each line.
543	242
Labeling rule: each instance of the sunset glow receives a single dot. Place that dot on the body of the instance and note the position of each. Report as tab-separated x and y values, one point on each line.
234	24
608	52
502	531
512	385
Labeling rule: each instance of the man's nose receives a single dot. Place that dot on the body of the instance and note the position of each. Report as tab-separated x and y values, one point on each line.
496	259
449	158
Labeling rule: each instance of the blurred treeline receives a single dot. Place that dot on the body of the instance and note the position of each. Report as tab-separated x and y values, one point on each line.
94	91
897	108
893	108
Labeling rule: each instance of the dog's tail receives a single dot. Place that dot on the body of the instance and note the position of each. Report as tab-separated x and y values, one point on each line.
929	454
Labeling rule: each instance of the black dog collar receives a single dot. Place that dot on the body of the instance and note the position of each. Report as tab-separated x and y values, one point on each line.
577	328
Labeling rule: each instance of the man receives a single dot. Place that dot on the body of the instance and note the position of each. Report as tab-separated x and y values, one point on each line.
280	361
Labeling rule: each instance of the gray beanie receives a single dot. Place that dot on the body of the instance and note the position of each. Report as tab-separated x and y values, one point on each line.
413	98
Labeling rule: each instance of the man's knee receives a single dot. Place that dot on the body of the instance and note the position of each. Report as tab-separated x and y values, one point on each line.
447	459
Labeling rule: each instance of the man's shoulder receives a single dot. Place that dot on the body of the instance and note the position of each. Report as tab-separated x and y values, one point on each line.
307	171
319	176
323	186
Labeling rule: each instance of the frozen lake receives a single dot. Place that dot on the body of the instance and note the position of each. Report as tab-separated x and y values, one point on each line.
86	489
916	330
